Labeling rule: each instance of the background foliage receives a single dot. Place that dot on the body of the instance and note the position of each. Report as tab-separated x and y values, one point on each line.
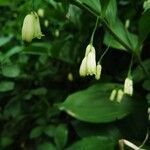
44	104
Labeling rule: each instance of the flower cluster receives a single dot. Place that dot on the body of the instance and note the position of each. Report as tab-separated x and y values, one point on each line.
88	65
116	94
31	27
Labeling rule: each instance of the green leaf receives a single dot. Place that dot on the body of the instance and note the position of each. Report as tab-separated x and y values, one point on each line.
89	129
13	51
10	71
146	84
110	11
36	132
46	146
4	40
138	73
109	40
93	4
6	86
61	136
93	104
144	26
121	32
49	130
93	143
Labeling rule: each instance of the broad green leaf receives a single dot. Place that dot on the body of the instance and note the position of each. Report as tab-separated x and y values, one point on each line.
144	26
123	35
109	40
110	12
13	51
93	105
93	4
49	130
10	71
61	136
4	40
89	129
93	143
36	132
46	146
6	86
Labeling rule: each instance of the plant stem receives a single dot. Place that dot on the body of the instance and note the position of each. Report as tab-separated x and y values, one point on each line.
106	25
33	5
92	37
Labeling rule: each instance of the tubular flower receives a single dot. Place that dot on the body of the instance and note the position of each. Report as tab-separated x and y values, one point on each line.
120	95
98	72
31	27
128	86
91	63
88	64
83	67
113	94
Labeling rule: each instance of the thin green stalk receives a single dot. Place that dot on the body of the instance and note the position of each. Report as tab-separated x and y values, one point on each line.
93	33
103	55
130	66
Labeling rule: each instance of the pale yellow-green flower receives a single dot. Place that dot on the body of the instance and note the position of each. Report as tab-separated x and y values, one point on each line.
120	95
128	86
91	63
113	94
31	27
98	71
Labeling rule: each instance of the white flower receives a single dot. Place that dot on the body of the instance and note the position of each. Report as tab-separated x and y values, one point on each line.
89	48
113	94
28	28
31	27
91	63
83	67
120	95
98	72
128	86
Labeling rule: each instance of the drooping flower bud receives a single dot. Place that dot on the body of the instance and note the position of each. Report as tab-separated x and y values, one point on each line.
83	67
113	94
98	72
46	23
128	86
120	95
28	28
41	12
70	77
31	27
91	63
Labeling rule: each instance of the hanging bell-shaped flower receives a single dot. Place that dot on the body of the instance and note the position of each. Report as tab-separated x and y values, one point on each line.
128	86
98	71
31	27
91	63
28	28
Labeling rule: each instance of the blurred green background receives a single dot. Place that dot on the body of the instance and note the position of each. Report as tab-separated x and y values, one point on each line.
45	104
